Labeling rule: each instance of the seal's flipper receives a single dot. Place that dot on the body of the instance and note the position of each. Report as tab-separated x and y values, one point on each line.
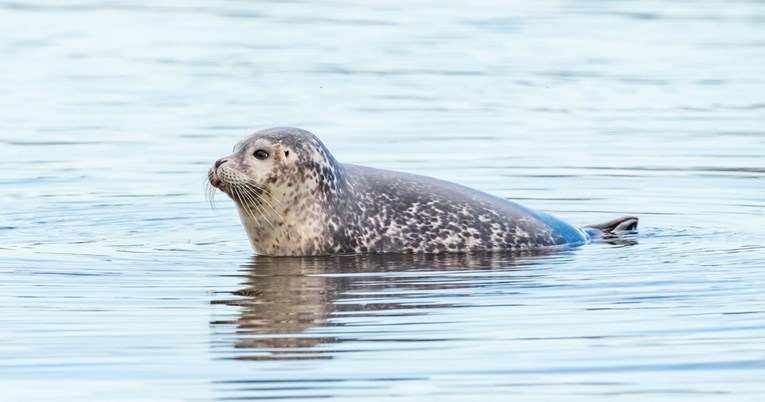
624	225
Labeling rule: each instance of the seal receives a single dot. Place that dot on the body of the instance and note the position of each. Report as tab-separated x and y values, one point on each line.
294	198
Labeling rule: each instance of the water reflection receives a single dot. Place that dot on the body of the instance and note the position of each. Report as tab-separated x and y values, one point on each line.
292	306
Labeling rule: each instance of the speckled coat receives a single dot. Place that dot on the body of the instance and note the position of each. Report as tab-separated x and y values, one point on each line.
307	203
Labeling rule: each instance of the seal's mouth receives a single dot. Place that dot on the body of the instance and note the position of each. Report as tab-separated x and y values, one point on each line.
236	189
213	178
217	182
235	186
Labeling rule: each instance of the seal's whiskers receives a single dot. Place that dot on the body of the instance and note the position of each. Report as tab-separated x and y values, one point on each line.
262	211
235	195
249	188
247	199
209	191
252	185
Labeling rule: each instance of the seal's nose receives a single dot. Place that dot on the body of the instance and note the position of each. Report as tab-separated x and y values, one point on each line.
220	162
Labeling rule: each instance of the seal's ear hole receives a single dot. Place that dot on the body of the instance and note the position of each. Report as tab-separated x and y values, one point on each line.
286	154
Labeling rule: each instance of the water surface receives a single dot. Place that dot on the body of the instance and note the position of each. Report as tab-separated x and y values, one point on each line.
119	282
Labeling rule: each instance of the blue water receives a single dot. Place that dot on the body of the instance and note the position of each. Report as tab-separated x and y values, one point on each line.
119	282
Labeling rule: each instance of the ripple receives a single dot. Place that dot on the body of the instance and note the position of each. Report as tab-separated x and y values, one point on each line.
119	282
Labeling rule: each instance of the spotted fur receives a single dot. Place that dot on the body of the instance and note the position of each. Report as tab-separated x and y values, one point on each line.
307	203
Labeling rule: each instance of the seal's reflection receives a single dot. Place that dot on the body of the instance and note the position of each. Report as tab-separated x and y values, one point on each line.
290	305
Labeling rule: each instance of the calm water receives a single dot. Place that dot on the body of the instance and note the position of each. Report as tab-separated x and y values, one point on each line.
118	281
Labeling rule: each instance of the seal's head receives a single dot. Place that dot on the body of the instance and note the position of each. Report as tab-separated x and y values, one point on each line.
279	178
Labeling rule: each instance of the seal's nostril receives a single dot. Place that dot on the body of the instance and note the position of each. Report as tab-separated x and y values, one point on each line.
220	162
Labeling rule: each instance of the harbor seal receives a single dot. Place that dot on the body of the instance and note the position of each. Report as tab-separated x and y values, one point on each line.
294	198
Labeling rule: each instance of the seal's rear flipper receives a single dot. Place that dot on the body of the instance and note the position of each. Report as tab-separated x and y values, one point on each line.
624	225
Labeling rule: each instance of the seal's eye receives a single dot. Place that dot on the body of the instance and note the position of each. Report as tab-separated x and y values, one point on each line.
261	154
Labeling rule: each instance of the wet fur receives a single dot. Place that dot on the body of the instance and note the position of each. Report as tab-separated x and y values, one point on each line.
303	202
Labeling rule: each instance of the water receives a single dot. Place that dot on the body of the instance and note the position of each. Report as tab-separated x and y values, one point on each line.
118	281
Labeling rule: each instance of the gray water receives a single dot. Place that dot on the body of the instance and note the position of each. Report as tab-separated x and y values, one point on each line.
119	282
